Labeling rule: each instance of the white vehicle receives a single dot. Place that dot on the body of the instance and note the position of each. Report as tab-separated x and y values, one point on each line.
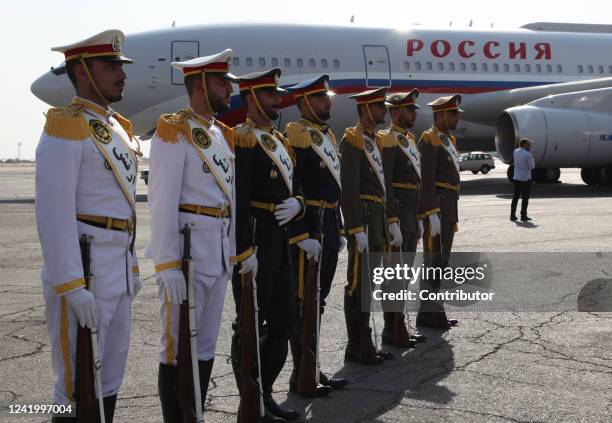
539	81
477	161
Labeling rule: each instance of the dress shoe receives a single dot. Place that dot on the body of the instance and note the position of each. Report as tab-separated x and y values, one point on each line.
351	356
453	322
525	218
418	338
273	407
513	218
333	382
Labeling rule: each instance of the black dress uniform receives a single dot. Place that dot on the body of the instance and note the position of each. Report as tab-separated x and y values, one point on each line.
401	163
440	194
363	203
261	184
318	169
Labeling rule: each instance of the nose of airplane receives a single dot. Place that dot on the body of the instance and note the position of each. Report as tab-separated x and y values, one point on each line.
53	89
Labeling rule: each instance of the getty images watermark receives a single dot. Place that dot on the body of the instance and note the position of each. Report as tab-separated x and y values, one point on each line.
493	282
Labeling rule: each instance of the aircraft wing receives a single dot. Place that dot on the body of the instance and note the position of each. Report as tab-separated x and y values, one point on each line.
485	108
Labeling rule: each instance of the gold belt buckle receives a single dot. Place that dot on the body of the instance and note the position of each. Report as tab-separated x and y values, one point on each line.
130	225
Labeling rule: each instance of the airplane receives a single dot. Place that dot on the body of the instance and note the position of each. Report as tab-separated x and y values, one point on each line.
551	82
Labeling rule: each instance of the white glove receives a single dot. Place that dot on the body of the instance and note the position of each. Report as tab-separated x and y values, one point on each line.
420	228
312	247
343	243
434	222
84	304
362	241
249	265
174	283
287	210
137	286
396	234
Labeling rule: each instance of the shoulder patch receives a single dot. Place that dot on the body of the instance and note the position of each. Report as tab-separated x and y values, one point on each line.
385	138
228	133
354	138
298	135
67	122
244	136
169	126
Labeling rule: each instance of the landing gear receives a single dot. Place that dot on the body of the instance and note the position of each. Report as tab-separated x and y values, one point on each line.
546	175
510	172
594	176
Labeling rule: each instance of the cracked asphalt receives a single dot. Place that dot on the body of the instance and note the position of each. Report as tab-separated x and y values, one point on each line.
508	366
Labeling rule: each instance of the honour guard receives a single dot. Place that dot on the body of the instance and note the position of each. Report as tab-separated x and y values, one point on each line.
363	207
402	166
86	174
269	197
318	167
191	183
440	194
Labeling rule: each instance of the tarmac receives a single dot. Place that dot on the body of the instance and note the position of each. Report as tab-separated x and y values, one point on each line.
502	366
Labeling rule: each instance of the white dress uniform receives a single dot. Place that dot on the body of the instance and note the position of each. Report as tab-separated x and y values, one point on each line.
85	184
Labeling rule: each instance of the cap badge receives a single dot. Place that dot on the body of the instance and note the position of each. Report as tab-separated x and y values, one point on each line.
116	43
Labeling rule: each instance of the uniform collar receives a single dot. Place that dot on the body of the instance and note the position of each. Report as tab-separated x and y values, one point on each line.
258	126
308	122
91	106
199	118
364	131
396	128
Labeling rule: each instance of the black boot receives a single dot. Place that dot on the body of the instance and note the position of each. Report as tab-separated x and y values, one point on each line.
351	317
205	368
167	386
109	408
332	382
273	407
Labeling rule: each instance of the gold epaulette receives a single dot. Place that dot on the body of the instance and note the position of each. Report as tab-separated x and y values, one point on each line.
430	136
244	136
354	137
298	135
228	133
67	123
385	138
287	145
125	123
169	126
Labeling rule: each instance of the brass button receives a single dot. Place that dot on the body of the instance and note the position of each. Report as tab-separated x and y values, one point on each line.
205	168
322	164
107	165
273	174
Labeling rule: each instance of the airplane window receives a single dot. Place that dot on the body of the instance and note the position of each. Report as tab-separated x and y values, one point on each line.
517	67
262	61
473	66
485	67
590	68
559	69
440	66
300	63
287	62
417	66
549	68
312	63
235	61
324	63
336	63
429	66
580	69
600	69
451	66
506	67
538	68
274	62
406	65
462	67
527	67
495	67
249	61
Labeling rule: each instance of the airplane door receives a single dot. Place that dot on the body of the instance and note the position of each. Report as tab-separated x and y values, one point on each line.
183	50
377	66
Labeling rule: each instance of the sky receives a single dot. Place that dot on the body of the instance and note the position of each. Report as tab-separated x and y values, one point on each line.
30	28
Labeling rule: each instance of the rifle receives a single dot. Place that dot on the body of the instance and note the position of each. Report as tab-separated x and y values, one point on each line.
251	407
88	366
367	350
308	377
189	394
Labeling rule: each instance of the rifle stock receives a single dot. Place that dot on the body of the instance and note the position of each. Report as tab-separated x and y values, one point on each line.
85	393
308	372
